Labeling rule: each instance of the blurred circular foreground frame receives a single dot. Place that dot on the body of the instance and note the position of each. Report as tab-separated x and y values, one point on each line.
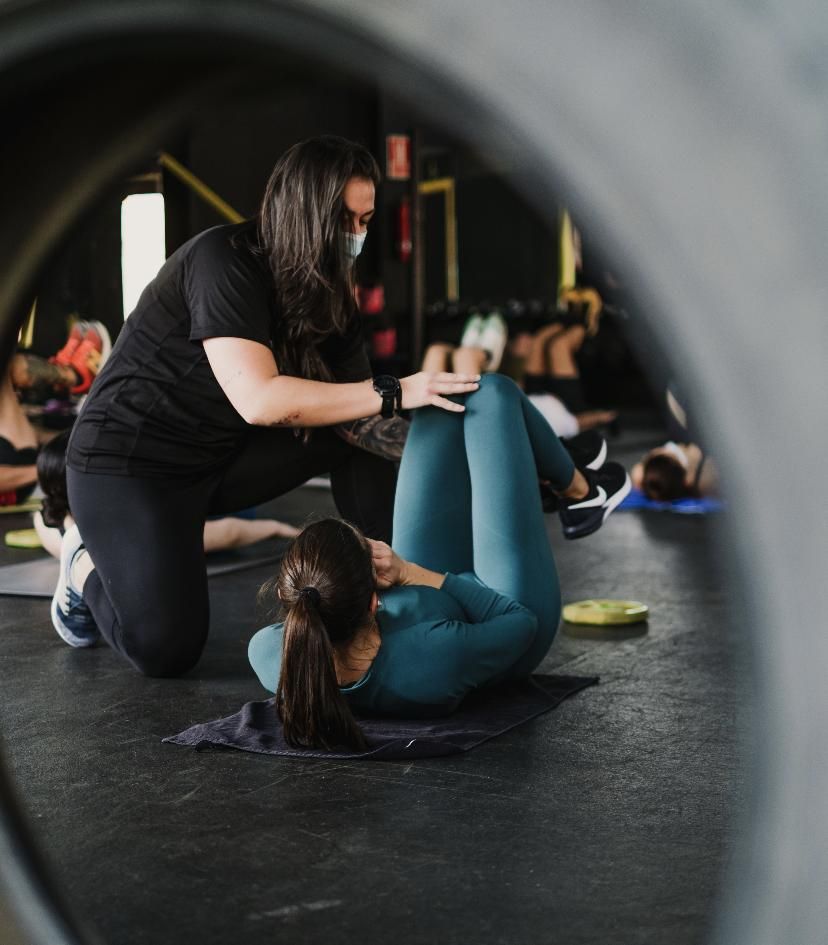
691	136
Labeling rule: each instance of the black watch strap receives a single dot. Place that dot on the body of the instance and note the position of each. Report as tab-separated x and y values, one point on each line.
390	389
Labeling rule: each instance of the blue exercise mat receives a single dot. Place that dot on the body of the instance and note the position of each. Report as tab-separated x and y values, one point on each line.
637	500
484	714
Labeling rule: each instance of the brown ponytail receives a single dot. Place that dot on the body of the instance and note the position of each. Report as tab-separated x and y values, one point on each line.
325	584
314	712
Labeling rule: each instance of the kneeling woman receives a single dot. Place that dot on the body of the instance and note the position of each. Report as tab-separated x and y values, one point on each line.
248	335
470	595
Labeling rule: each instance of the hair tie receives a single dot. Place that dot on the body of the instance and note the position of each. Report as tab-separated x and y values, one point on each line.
311	595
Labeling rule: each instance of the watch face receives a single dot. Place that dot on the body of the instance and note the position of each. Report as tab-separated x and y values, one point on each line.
386	384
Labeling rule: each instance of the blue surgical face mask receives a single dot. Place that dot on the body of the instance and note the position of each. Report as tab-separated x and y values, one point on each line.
352	244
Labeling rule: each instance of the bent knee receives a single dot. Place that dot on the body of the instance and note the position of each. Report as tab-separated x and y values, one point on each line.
165	656
164	666
497	386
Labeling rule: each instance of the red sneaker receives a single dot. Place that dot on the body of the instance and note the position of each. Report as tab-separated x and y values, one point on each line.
64	356
90	355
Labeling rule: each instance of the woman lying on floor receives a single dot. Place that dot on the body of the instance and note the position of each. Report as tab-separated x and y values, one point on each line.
469	596
679	468
51	523
676	471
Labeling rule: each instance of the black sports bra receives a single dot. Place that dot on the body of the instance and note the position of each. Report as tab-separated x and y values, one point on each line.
11	456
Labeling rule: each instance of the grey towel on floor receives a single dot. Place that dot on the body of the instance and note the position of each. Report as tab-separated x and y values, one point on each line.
483	715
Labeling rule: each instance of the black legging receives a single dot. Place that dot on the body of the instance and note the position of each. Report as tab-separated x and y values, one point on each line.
148	592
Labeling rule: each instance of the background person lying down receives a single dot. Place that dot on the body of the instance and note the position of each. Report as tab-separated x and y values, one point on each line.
676	471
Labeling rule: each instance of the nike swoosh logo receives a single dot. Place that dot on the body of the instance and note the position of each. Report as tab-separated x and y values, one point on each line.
597	502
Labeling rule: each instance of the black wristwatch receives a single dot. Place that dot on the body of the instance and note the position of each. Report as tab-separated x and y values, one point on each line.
389	388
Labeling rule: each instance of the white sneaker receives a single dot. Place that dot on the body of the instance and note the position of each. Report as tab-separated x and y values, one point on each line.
472	331
493	339
71	617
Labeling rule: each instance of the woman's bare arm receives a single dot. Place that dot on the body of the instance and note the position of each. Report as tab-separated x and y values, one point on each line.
247	373
14	477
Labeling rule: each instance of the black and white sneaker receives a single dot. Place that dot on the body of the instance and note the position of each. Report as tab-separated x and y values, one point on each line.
608	487
588	451
71	616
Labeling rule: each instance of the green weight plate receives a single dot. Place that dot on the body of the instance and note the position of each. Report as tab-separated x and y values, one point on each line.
606	612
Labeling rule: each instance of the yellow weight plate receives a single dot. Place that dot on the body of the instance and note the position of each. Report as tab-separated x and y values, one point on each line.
30	505
24	538
605	612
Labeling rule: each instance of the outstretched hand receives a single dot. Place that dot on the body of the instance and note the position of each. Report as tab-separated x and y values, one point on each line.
427	389
389	566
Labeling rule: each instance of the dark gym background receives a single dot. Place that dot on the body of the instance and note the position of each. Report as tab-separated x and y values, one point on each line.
506	251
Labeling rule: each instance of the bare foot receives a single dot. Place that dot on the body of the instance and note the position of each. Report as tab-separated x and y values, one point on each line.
595	418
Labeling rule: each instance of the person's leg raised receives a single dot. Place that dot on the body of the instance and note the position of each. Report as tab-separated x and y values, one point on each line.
432	509
509	445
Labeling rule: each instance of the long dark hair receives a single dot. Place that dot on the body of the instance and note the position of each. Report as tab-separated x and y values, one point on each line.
51	474
325	585
300	223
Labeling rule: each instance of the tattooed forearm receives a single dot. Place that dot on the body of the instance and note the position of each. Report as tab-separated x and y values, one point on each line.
287	421
383	436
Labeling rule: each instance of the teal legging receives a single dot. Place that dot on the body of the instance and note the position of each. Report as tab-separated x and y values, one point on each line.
468	500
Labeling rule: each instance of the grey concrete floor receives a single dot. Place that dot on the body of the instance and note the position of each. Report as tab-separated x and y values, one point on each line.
607	821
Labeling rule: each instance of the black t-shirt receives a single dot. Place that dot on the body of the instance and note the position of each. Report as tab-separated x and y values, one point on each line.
156	408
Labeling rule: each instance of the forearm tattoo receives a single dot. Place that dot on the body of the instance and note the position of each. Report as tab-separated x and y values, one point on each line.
382	436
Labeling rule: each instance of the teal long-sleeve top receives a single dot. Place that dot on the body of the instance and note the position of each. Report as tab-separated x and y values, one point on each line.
436	646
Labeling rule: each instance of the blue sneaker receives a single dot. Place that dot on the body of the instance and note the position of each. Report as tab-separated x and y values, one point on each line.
71	617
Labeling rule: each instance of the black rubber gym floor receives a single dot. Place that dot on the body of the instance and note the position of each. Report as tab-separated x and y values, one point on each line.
608	820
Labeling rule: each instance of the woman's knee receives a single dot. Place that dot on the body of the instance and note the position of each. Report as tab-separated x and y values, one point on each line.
497	388
439	348
170	648
570	339
436	357
163	662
